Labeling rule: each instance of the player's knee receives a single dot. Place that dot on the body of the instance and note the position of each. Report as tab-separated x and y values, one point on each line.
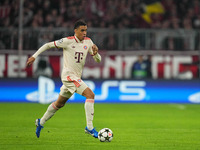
91	95
59	105
88	93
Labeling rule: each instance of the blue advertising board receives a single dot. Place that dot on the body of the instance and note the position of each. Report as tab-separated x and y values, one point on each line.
45	90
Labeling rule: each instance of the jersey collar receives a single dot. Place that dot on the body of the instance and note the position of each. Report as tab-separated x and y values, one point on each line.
77	40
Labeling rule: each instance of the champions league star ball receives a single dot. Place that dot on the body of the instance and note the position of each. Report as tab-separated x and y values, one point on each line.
105	135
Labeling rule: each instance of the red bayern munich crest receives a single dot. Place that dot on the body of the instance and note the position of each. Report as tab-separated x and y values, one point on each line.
85	47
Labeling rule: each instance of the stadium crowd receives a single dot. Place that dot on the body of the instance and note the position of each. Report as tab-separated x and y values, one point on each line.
100	13
108	14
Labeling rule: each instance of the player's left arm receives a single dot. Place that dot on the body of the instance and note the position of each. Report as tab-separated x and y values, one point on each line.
96	55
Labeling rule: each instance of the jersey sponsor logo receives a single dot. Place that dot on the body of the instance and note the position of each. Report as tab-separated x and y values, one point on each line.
85	47
78	56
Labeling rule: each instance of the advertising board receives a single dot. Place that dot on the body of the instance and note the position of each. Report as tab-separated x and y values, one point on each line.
45	90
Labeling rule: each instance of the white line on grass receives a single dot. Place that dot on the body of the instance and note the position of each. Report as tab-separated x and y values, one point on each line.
178	106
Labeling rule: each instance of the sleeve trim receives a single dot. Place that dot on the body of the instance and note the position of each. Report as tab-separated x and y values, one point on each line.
55	44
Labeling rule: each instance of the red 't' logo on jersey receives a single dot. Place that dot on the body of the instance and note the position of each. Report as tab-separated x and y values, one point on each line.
78	56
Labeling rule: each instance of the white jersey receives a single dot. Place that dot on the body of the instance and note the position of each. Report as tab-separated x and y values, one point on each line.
74	56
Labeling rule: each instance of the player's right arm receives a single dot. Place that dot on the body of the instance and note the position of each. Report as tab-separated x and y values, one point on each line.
39	51
58	44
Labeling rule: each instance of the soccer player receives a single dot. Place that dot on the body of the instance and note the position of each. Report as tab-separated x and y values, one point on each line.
75	49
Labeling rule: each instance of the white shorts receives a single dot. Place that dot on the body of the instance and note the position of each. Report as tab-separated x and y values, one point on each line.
69	88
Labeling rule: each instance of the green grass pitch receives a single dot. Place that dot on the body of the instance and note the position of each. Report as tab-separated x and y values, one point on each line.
135	127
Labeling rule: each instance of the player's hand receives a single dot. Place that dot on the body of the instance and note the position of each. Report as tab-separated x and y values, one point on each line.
94	49
30	61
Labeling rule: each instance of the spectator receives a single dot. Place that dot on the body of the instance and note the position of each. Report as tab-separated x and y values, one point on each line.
197	22
108	11
43	68
148	69
141	68
110	42
135	46
177	14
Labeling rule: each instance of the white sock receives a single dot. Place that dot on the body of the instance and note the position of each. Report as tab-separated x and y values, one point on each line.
89	112
48	114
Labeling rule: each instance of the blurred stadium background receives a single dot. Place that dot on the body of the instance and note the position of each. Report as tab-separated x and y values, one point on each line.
146	45
150	54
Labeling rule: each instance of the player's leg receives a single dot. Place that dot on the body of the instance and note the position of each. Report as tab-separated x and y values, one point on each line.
89	111
89	107
51	110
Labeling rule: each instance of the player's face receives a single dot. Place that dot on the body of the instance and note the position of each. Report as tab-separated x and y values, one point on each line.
81	32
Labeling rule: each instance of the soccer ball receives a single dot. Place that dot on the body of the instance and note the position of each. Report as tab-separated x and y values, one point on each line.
105	135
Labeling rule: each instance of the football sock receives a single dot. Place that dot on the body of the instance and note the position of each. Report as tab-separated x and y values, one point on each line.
48	114
89	112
